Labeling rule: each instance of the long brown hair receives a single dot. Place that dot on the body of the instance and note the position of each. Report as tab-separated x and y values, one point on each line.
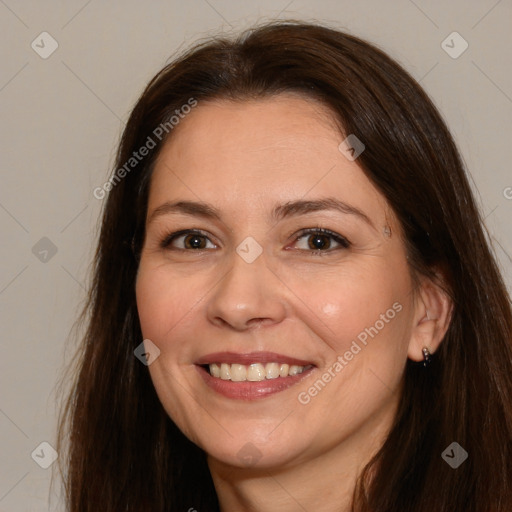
126	454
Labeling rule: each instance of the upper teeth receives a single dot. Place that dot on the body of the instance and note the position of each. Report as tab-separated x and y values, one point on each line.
253	372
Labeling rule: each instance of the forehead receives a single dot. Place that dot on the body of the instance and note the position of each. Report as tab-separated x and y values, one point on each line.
264	151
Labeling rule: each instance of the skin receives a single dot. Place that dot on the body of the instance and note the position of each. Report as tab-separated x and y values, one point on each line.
244	158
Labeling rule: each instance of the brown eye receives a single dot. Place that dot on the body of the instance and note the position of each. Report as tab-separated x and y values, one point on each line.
194	242
321	240
186	240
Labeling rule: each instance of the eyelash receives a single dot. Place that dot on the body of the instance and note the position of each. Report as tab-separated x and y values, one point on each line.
343	242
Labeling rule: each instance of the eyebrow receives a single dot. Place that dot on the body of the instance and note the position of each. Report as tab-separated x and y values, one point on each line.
279	212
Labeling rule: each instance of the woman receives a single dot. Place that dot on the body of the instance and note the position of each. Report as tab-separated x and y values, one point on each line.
294	304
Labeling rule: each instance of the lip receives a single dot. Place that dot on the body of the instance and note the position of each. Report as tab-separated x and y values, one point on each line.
251	390
251	357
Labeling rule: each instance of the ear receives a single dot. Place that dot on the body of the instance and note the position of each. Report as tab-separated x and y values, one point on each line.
432	315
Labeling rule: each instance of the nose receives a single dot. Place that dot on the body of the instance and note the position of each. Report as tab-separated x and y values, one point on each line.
247	297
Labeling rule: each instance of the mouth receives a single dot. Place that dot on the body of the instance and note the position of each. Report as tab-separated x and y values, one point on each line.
255	372
253	375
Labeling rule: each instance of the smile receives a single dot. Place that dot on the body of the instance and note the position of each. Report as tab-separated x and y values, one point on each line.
251	376
255	372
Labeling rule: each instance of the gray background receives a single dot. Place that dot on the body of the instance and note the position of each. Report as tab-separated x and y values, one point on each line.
61	120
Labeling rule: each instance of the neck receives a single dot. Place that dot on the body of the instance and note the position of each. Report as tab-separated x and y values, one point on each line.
270	490
324	483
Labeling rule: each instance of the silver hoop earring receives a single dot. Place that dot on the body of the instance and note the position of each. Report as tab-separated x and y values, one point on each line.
426	356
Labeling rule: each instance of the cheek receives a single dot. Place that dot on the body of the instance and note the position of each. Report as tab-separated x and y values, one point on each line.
162	301
347	305
362	325
352	314
165	309
361	321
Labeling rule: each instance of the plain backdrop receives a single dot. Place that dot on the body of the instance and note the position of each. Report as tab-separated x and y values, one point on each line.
61	118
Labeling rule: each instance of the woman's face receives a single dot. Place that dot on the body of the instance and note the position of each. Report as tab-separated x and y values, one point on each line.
258	292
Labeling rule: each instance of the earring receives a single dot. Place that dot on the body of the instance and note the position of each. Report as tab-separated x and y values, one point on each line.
426	356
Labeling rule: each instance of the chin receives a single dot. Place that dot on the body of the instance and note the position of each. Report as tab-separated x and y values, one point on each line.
246	452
